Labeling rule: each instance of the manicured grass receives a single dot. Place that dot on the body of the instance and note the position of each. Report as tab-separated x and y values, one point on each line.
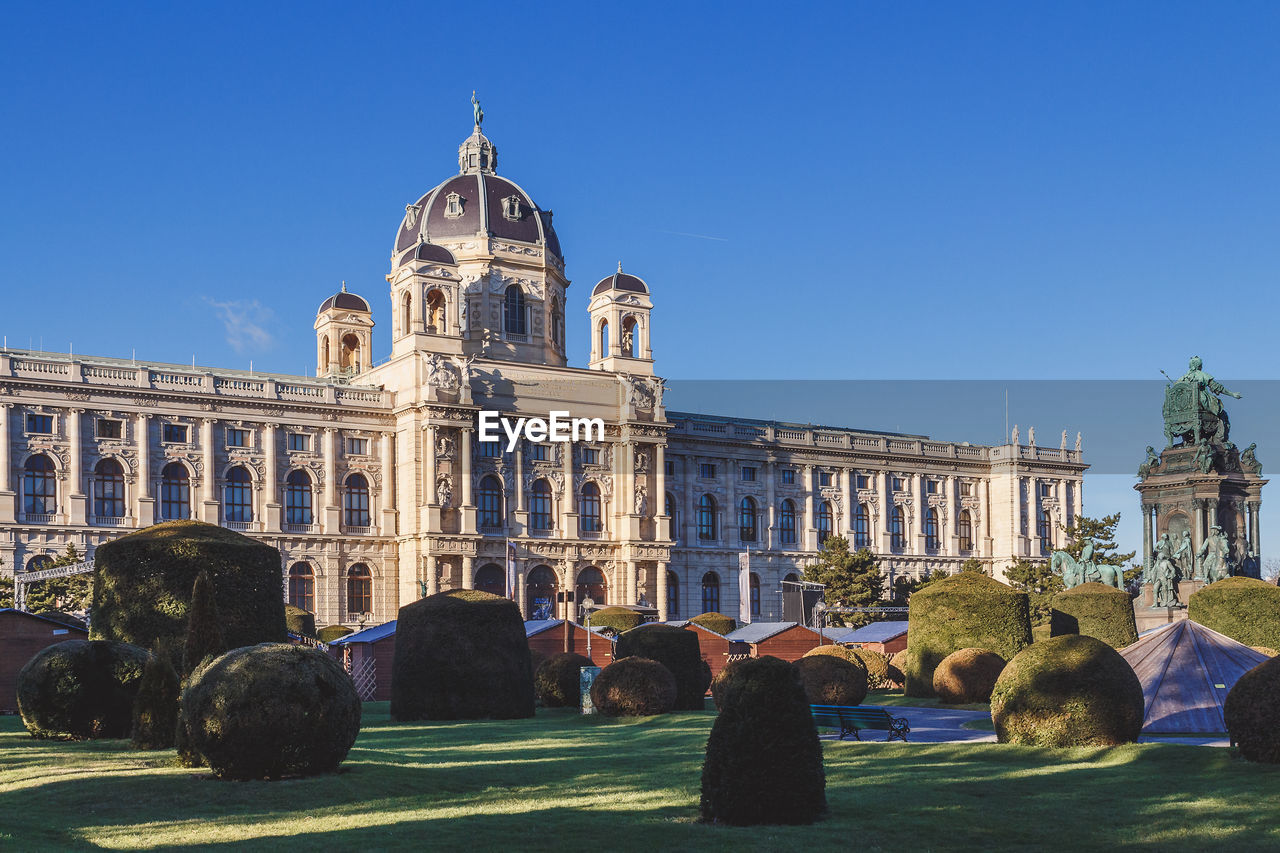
564	782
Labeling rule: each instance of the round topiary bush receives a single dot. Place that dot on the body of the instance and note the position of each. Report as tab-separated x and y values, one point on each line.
898	667
142	584
556	681
271	710
1245	609
299	621
1264	650
1068	691
967	676
831	680
81	689
1252	712
461	655
615	619
1096	610
717	622
333	632
634	687
764	762
677	650
965	610
877	664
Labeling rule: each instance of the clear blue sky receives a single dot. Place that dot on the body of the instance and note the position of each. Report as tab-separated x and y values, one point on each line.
846	190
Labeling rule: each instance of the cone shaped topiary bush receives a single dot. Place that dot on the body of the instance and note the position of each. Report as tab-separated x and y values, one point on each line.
155	708
968	675
142	584
677	650
557	680
1252	712
720	684
1096	610
332	632
203	638
831	680
634	687
81	689
717	622
1245	609
271	710
461	655
965	610
299	621
763	762
1068	691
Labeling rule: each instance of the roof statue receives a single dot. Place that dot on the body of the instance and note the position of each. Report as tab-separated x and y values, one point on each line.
1193	410
476	111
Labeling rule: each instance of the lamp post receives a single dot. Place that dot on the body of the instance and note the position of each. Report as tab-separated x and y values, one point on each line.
587	606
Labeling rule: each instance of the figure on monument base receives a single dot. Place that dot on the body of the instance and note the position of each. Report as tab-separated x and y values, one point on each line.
1164	587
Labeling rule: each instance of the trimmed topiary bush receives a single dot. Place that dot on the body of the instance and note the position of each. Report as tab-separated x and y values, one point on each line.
1263	650
1096	610
333	632
720	683
832	680
204	631
764	762
877	664
271	710
965	610
299	621
557	680
1252	712
634	687
704	681
155	708
967	676
717	622
461	655
1072	690
616	619
142	584
898	667
81	689
1245	609
677	650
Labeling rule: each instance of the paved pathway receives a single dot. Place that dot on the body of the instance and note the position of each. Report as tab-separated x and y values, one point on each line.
934	725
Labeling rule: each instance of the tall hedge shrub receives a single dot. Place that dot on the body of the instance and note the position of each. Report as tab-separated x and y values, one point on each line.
677	650
142	584
1245	609
717	622
616	619
1095	610
461	655
965	610
1252	712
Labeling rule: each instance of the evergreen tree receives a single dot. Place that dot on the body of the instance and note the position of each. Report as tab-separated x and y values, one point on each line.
204	631
973	565
68	595
851	578
6	589
1039	583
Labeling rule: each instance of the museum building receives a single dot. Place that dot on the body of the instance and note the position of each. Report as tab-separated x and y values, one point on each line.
372	482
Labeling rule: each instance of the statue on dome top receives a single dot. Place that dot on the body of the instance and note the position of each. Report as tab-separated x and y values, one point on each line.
475	110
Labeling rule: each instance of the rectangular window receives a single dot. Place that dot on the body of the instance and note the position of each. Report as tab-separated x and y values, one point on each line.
590	456
669	466
357	447
174	434
707	471
788	477
237	437
748	474
40	424
299	442
539	452
490	449
931	487
897	484
966	489
824	478
109	429
1046	490
862	481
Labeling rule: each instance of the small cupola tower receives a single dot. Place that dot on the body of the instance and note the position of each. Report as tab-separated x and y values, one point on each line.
620	309
344	333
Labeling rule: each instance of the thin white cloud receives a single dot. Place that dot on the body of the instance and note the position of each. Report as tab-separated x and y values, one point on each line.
245	323
699	236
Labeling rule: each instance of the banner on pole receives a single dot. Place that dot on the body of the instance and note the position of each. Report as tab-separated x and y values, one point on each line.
744	587
511	571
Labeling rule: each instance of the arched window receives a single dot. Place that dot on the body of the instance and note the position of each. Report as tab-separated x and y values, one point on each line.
590	585
792	577
39	486
175	492
297	498
1044	530
302	587
350	353
38	562
898	528
755	594
673	595
326	354
540	593
706	517
604	339
826	522
406	314
513	311
239	492
359	590
489	502
108	489
966	530
435	313
787	523
931	540
541	515
628	342
861	527
355	501
492	579
747	520
711	593
589	509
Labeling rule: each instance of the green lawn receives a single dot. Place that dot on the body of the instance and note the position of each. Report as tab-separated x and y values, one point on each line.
895	697
564	782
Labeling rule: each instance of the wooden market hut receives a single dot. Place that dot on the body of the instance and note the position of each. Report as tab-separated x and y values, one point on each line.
367	656
23	634
884	637
786	640
547	638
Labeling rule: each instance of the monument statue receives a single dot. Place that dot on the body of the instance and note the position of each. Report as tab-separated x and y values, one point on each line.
1214	556
1249	460
1075	572
1184	557
475	110
1193	410
1164	592
1153	460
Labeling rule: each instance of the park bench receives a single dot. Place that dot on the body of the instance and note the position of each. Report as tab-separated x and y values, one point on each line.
853	719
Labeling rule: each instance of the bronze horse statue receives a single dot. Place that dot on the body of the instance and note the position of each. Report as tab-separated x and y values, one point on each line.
1074	574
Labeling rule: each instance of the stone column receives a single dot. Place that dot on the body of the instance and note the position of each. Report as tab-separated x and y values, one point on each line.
209	484
468	509
146	515
810	520
429	464
982	545
433	582
663	592
729	529
8	496
1146	535
952	509
1198	506
568	511
332	512
518	522
78	502
633	581
662	524
848	491
272	509
771	500
468	573
690	514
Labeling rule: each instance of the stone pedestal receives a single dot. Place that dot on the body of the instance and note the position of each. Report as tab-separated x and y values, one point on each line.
1149	617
